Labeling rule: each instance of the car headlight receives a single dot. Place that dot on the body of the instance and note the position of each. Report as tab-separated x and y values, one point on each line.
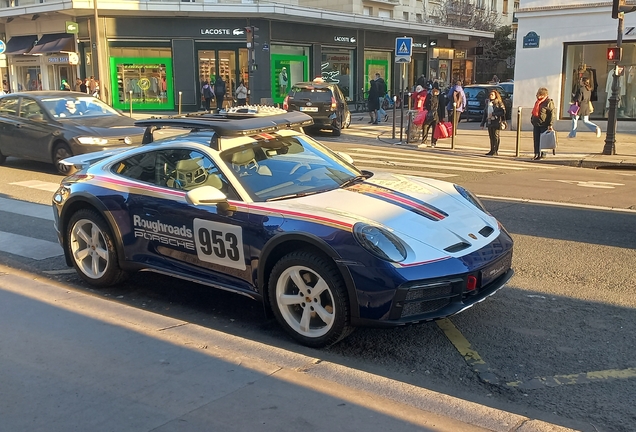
380	242
471	198
92	140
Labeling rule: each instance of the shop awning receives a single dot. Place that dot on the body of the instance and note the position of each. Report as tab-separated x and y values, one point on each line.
20	44
54	43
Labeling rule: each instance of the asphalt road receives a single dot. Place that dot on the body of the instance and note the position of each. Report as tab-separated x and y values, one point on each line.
556	344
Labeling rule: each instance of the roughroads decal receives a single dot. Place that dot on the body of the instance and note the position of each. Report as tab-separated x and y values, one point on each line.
171	235
219	243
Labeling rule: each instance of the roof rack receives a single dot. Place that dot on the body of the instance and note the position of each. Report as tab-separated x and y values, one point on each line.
239	121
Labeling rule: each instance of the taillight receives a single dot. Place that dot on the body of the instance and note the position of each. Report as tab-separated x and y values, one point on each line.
286	103
471	283
333	103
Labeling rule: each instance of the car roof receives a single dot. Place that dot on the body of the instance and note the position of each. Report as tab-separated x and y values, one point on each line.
315	85
483	86
235	122
47	93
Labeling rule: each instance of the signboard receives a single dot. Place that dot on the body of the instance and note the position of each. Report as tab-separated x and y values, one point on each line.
3	47
72	27
403	49
531	40
73	58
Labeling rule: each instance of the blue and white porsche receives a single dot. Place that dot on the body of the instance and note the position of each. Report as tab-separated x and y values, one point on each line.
251	205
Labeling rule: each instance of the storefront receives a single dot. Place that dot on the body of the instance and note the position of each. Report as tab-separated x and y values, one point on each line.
554	53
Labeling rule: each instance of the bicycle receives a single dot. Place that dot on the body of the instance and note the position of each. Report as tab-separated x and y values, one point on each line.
361	104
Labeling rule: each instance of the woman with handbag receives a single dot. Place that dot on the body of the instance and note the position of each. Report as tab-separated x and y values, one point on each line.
435	114
542	120
581	108
494	117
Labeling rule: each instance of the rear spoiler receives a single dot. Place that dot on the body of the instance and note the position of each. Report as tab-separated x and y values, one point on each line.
83	161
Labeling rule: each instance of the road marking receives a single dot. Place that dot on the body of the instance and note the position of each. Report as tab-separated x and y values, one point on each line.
453	162
407	172
373	161
40	211
554	203
580	378
28	247
589	184
37	184
472	358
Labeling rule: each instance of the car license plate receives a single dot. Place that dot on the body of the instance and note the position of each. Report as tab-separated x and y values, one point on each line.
495	270
309	109
473	103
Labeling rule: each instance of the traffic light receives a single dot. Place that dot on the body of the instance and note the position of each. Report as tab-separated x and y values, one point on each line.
249	36
616	8
614	54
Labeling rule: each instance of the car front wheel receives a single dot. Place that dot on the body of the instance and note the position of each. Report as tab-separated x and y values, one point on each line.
61	151
92	250
308	298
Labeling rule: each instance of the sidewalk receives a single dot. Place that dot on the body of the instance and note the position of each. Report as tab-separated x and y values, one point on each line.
76	361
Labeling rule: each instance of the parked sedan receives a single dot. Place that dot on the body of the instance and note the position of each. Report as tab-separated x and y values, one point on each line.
49	126
256	207
476	96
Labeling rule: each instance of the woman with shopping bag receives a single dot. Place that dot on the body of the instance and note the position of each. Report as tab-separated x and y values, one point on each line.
435	114
542	120
582	103
494	116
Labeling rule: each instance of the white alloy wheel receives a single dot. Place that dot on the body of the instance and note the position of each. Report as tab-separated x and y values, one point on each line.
89	249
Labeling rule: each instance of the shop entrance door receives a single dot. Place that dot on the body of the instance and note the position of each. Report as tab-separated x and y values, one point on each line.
57	73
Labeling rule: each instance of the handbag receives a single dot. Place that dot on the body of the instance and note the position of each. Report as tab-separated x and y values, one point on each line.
591	106
574	109
548	140
503	125
440	131
420	118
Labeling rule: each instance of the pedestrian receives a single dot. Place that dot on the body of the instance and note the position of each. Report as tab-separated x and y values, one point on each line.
241	94
542	119
208	95
219	92
421	81
283	80
435	114
381	85
455	96
65	86
91	85
95	92
373	102
419	98
78	84
82	86
5	87
582	99
495	79
494	116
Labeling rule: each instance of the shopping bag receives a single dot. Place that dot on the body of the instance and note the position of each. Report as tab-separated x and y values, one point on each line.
548	140
449	128
591	106
440	131
420	118
574	109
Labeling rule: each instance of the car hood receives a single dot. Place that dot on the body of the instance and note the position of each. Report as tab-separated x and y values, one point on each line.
429	215
105	126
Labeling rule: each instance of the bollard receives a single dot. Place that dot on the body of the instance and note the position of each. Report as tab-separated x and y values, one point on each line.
130	99
518	132
394	112
180	94
454	125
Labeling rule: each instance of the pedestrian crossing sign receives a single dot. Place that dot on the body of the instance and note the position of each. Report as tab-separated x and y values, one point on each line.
403	48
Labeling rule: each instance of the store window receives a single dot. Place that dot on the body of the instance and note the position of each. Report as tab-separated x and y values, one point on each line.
337	67
289	65
29	78
590	61
143	76
376	62
223	63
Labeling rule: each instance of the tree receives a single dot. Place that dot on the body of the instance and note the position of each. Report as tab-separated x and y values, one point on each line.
496	59
470	14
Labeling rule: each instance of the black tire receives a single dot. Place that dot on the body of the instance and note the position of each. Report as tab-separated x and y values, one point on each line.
61	151
331	304
348	121
337	127
3	158
94	256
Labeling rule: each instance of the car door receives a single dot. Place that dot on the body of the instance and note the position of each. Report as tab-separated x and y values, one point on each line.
10	125
34	133
167	232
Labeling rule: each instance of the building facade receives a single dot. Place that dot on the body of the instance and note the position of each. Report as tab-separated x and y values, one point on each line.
157	55
561	41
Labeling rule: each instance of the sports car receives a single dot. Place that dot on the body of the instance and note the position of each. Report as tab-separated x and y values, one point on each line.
246	202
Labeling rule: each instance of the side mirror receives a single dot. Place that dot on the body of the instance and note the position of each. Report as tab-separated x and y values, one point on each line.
206	195
345	157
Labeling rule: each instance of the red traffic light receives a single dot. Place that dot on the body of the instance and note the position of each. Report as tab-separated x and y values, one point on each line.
614	54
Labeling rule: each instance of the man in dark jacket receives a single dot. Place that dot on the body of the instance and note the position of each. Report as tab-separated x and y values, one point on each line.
219	92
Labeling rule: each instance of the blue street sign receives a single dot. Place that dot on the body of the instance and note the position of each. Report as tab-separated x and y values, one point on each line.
3	47
403	46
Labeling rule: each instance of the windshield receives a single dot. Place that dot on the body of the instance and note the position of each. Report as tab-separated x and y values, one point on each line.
285	166
313	94
77	106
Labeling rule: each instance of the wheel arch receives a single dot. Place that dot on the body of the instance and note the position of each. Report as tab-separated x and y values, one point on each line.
281	245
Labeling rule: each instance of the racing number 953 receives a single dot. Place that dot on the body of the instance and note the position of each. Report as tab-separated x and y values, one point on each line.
219	243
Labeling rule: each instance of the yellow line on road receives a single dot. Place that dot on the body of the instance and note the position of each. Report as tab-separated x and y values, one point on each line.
461	343
580	378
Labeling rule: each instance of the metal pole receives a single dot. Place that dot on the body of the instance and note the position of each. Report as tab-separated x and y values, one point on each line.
180	93
130	93
402	103
518	132
394	111
610	138
454	125
101	75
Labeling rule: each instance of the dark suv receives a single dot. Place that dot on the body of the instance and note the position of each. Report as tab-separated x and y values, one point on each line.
322	101
476	96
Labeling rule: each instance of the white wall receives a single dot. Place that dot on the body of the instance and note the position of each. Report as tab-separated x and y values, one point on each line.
542	67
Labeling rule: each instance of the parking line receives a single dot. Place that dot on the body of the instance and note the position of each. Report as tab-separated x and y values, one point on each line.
25	208
472	358
580	378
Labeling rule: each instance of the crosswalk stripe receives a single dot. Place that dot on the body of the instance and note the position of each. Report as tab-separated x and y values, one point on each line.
37	184
407	172
386	166
455	162
28	247
40	211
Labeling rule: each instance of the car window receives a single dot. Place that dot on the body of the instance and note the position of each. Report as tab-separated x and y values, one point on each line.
177	169
9	106
70	106
314	95
475	93
31	110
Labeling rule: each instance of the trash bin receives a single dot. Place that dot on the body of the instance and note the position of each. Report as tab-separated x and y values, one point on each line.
413	131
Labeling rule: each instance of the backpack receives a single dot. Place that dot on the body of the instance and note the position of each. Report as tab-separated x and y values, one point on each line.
207	92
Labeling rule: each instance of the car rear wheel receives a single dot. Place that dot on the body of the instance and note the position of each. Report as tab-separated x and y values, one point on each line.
347	122
61	151
337	127
91	247
308	298
3	158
